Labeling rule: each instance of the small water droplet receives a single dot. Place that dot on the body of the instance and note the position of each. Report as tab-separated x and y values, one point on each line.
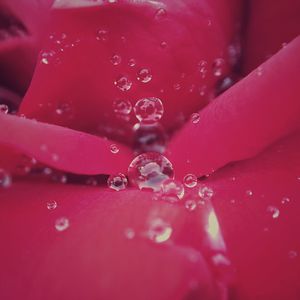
285	200
159	231
51	205
202	65
116	59
131	62
102	35
122	108
177	86
249	193
62	109
259	71
172	190
123	83
55	157
190	180
160	14
114	149
144	75
292	254
129	233
5	179
274	211
205	193
4	108
117	182
62	224
218	67
149	170
190	205
163	45
149	110
195	118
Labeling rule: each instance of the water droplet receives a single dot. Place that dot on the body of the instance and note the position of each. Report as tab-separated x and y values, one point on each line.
122	108
285	200
144	75
4	108
129	233
131	62
177	86
172	190
218	67
292	254
150	170
159	231
149	110
149	138
163	45
116	59
117	182
249	193
259	71
51	205
62	224
55	157
102	35
63	108
114	149
202	65
190	180
205	193
160	14
195	118
190	205
5	179
274	211
123	83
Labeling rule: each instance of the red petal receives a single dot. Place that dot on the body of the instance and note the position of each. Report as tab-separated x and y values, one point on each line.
251	115
271	25
82	76
62	148
92	258
264	246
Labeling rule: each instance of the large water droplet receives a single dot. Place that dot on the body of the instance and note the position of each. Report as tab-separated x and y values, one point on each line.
218	67
274	211
117	182
62	224
51	205
144	75
150	170
205	193
190	180
116	59
4	108
149	110
123	83
159	231
5	179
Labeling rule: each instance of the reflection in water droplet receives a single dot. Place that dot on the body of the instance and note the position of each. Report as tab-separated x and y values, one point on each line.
159	231
144	75
123	83
114	149
51	205
62	224
172	190
4	108
149	110
149	170
218	67
116	59
205	193
5	179
190	180
274	211
129	233
190	205
117	182
195	118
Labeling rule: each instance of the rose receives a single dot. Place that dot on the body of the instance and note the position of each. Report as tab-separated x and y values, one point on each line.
95	214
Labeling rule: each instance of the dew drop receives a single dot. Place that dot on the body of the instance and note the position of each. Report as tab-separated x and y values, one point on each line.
129	233
259	71
63	108
5	179
4	108
292	254
249	193
159	231
190	180
102	35
218	67
202	65
149	170
131	62
114	149
149	110
205	193
62	224
163	45
285	200
190	205
172	190
195	118
116	59
144	75
51	205
274	211
117	182
122	107
123	83
160	14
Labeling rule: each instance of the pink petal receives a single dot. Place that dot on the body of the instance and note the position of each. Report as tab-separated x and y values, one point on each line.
244	120
95	257
61	148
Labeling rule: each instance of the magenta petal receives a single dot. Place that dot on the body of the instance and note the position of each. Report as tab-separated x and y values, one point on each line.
257	203
247	118
62	148
105	253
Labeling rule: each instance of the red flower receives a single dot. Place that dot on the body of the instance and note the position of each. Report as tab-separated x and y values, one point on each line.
234	234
